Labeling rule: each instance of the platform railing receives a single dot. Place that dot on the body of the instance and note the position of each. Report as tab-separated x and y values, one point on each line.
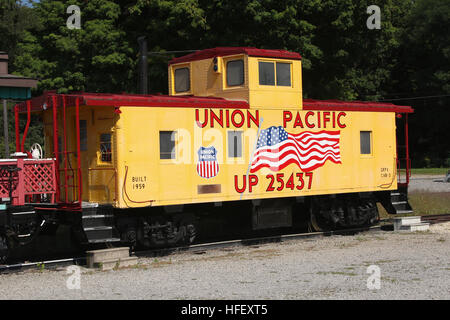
27	180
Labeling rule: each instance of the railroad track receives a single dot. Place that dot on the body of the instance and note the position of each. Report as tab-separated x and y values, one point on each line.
196	248
203	247
47	264
436	218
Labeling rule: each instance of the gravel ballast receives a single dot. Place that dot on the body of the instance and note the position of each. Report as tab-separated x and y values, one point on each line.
411	265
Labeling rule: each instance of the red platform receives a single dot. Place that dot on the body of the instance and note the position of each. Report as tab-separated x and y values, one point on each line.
35	177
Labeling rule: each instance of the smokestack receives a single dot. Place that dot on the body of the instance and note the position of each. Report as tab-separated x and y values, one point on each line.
3	63
143	66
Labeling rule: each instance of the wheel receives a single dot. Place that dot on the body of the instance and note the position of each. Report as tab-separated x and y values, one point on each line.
315	222
4	250
191	234
188	222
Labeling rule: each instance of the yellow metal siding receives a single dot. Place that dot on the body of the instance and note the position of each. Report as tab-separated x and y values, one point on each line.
265	96
137	177
206	82
98	177
167	182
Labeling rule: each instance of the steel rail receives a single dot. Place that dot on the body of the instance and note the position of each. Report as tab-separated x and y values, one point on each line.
202	247
196	248
436	218
431	218
48	263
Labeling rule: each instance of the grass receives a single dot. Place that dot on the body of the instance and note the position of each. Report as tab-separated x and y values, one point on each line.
391	280
370	263
337	273
430	203
424	204
430	171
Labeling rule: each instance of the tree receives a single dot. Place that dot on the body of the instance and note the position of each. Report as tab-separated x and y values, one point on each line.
15	18
95	58
422	79
356	62
342	58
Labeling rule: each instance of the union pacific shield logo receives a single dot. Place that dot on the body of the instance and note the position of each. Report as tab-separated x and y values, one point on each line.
207	166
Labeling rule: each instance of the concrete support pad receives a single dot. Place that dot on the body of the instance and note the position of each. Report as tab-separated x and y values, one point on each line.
415	227
410	224
116	263
405	221
106	259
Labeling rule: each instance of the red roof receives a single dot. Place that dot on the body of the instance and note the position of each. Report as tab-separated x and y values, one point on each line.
122	100
337	105
228	51
138	100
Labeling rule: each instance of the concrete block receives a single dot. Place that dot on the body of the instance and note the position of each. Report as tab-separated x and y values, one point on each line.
99	256
415	227
405	221
111	264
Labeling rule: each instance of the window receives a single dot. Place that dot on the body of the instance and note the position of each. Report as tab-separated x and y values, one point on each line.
167	144
366	137
105	147
283	74
235	73
234	144
83	135
266	73
182	80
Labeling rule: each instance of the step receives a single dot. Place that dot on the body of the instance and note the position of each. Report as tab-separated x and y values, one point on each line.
97	256
104	240
401	206
98	233
397	196
415	227
111	264
403	211
396	203
97	220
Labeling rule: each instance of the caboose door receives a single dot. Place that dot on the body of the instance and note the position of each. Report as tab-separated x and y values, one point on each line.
84	157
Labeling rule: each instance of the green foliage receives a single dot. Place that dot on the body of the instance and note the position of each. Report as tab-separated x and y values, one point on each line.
424	71
427	47
95	58
342	59
15	19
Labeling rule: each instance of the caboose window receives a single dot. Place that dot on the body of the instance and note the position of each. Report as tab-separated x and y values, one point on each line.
234	144
366	137
83	135
235	73
283	74
167	144
266	73
182	80
105	147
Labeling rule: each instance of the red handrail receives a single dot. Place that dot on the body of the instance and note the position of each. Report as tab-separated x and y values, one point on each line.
16	114
80	188
27	126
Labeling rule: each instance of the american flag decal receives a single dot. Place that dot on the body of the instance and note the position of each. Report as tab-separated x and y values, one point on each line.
276	149
207	166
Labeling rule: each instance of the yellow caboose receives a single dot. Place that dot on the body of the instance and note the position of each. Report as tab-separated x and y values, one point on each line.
233	135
